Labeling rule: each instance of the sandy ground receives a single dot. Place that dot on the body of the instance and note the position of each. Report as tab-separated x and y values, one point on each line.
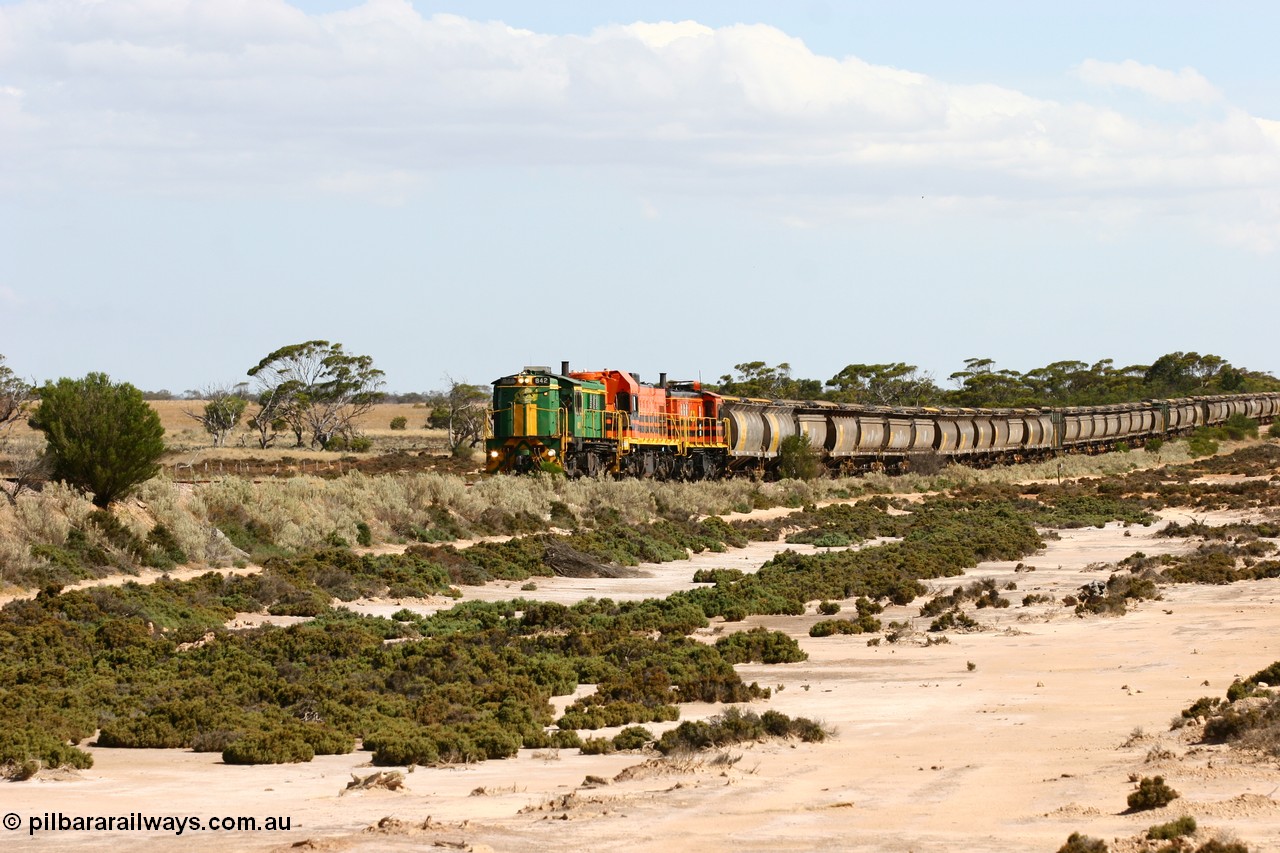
1039	738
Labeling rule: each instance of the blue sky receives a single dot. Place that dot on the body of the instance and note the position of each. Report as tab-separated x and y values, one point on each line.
459	189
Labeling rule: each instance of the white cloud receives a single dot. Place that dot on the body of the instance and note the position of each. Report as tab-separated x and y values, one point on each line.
1183	86
180	96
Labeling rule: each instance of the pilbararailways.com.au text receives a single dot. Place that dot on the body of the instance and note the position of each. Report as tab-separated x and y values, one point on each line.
140	822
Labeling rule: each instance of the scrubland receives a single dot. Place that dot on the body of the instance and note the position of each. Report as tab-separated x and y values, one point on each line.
981	659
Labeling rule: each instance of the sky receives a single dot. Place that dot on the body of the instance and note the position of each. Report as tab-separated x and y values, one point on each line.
458	189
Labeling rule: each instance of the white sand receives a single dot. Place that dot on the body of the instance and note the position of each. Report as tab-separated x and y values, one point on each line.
1033	743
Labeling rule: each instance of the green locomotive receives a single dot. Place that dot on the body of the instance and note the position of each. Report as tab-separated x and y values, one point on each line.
543	417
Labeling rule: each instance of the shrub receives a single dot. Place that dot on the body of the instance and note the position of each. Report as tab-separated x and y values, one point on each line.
954	619
565	739
1185	825
1077	843
364	535
632	737
736	726
167	552
1213	845
1273	431
1118	590
597	746
759	645
324	740
1230	725
20	771
399	422
102	438
1153	445
274	747
1151	793
1239	426
391	750
797	459
827	627
349	443
1201	444
24	751
828	608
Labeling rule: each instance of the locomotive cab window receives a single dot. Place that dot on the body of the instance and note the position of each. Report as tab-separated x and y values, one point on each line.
624	401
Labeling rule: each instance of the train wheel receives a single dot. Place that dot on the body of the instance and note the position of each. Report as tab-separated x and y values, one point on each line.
666	467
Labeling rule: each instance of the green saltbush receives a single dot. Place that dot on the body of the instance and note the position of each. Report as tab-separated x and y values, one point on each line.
1120	589
1201	443
632	737
1077	843
271	747
597	746
1185	825
759	645
1151	793
828	627
736	726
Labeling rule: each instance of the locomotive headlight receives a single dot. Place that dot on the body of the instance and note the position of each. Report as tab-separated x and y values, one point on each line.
551	452
493	454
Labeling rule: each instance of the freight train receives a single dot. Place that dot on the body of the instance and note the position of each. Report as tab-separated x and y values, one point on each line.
609	422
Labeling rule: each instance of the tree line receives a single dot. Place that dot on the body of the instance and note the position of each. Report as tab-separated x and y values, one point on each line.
982	385
103	437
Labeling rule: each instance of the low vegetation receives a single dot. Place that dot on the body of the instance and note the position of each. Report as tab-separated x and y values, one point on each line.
735	726
1077	843
1185	825
1151	793
1248	716
156	665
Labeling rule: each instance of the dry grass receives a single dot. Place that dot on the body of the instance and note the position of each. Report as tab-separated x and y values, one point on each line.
308	511
185	437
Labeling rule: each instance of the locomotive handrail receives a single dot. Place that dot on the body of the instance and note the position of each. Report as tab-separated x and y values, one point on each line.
621	428
493	414
689	430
